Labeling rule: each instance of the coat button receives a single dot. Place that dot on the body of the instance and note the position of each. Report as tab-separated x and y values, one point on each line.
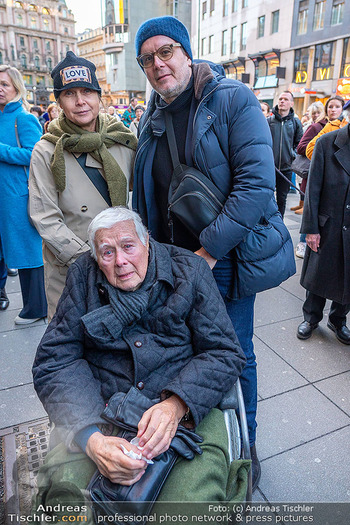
140	385
138	344
84	208
345	228
208	117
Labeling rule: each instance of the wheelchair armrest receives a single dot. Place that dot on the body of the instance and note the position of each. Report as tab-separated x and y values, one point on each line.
230	399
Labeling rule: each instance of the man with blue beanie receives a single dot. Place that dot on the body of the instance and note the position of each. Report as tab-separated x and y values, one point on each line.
220	130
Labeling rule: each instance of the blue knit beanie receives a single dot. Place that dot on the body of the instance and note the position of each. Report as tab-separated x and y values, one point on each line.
163	25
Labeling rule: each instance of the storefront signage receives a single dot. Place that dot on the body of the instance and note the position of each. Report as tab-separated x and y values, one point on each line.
343	88
300	77
323	73
347	71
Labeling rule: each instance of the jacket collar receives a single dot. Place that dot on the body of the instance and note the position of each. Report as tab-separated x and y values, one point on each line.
12	106
342	141
278	116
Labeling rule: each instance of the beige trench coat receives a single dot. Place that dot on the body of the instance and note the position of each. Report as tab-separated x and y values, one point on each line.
62	219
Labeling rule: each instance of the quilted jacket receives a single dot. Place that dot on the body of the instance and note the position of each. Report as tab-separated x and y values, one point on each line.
184	344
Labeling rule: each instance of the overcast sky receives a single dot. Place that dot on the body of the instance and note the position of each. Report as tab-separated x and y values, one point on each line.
87	14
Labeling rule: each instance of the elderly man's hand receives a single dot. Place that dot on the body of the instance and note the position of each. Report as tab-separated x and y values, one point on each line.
158	425
313	241
202	252
111	461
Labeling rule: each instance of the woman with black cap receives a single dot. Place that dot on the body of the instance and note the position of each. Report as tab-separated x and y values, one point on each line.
83	165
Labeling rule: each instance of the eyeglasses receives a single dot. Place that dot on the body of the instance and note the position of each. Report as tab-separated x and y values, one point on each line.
165	53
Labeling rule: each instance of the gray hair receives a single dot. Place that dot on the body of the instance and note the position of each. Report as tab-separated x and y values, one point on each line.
346	114
18	84
110	217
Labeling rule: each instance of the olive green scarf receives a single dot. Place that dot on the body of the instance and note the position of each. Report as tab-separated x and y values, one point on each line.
68	136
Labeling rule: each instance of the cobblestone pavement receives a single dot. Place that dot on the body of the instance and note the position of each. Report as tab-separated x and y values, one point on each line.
304	404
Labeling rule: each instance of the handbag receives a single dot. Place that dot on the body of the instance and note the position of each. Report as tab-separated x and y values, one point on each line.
109	499
193	198
262	260
301	166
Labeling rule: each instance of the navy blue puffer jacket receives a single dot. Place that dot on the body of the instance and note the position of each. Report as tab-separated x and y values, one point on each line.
231	144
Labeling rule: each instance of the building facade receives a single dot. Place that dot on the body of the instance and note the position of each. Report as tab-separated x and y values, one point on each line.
300	45
34	36
121	20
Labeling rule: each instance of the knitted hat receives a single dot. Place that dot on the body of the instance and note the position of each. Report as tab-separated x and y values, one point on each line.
73	72
163	25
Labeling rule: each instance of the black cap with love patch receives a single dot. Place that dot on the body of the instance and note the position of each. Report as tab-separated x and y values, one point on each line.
73	72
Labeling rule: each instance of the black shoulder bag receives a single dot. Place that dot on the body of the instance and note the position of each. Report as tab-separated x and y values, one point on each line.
193	197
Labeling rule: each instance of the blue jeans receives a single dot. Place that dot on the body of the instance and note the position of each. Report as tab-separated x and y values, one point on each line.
241	313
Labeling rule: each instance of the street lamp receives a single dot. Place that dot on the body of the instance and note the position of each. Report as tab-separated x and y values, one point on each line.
34	95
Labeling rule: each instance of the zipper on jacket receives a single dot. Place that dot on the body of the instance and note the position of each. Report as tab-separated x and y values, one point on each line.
279	164
171	225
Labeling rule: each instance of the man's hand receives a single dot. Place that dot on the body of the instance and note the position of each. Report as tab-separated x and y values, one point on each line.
313	241
158	425
111	461
202	252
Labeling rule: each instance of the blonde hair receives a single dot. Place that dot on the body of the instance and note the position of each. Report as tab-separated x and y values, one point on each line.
18	84
318	107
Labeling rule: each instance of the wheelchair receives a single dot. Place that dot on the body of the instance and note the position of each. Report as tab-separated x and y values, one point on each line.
237	430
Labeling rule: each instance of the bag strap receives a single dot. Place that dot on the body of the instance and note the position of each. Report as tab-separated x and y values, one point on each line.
170	133
96	178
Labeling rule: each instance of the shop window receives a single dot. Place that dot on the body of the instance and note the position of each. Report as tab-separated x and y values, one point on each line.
337	12
234	6
261	26
225	8
345	63
243	36
302	17
301	61
275	18
324	61
234	40
204	9
224	43
28	80
320	8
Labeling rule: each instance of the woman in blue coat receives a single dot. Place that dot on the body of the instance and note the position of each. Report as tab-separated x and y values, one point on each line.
21	244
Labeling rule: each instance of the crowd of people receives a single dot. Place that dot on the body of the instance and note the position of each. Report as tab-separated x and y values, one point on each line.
129	305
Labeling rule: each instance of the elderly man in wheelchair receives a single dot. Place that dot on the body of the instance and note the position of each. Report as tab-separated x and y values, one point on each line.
140	346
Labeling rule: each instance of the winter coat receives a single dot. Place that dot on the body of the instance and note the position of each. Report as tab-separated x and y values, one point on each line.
128	116
286	134
309	134
333	125
184	343
62	218
327	212
231	145
21	243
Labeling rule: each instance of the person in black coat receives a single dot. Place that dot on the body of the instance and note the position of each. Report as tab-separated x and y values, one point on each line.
326	221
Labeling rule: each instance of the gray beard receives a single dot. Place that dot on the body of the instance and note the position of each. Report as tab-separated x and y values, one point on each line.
168	95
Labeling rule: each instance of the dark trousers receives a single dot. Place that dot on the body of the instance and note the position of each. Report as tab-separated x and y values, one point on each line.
3	273
33	293
282	190
313	310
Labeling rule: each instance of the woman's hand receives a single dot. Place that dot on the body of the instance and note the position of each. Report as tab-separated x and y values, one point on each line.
158	425
313	241
202	252
111	461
